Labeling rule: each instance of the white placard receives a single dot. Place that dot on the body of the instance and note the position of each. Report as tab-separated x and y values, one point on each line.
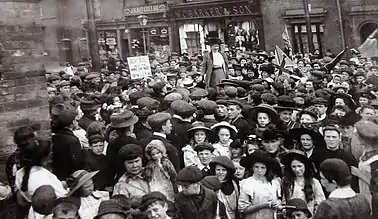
139	67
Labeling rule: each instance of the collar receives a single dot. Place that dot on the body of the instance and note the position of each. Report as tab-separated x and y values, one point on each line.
344	192
209	117
160	134
135	177
236	118
180	118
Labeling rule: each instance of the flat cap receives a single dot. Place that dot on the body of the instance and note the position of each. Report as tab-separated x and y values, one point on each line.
147	102
183	108
134	96
368	131
231	91
158	119
198	94
173	96
204	146
157	85
92	76
212	182
234	102
130	151
189	175
151	198
269	98
207	106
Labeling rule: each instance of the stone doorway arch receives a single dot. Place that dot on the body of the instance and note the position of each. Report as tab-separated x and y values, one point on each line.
366	29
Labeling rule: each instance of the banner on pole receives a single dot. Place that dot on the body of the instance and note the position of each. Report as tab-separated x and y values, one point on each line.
139	67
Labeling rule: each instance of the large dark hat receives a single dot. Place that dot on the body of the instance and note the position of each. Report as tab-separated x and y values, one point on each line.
212	38
123	120
266	108
367	95
295	154
317	138
223	161
151	198
285	103
312	111
197	125
297	204
259	157
189	175
346	97
319	100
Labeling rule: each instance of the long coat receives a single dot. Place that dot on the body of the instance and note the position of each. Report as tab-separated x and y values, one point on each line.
172	153
67	154
188	210
207	67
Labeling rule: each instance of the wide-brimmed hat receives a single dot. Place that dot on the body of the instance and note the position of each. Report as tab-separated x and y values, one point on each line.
78	178
266	108
317	138
295	154
347	98
123	120
259	157
285	102
197	125
223	124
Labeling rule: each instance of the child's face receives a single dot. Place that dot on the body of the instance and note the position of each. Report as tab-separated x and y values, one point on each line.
182	75
239	170
156	155
97	147
236	152
87	188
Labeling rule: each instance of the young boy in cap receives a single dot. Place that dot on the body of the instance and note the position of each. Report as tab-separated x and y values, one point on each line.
205	153
297	209
67	207
194	201
155	205
343	202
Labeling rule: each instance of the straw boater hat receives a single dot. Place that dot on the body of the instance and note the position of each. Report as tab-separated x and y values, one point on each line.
223	124
266	108
197	125
78	178
123	120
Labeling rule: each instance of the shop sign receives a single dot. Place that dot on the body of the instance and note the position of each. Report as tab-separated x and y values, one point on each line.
111	41
228	9
139	67
148	9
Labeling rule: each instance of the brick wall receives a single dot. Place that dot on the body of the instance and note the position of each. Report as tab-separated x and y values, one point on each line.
23	94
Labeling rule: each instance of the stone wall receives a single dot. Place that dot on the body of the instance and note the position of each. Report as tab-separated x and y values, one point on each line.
23	93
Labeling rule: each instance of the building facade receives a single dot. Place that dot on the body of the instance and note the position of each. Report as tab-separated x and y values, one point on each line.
182	25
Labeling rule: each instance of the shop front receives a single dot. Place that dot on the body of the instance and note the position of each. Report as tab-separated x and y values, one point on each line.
126	36
238	23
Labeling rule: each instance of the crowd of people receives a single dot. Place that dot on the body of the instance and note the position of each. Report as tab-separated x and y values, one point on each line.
228	135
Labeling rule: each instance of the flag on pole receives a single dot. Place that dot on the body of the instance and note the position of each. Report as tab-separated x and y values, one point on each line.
286	38
282	59
370	47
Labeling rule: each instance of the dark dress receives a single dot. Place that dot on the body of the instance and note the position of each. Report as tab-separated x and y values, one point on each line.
94	162
67	154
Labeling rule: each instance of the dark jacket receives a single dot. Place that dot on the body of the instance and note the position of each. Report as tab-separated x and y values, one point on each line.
85	121
179	136
67	154
173	154
142	131
242	126
94	162
188	210
116	167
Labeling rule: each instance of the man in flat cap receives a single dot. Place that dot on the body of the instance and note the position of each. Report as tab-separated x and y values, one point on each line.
194	201
132	183
161	126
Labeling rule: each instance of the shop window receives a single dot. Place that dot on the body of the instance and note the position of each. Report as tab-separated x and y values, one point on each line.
242	34
192	38
300	40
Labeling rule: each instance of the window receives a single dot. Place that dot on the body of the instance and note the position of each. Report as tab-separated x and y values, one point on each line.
193	42
300	40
